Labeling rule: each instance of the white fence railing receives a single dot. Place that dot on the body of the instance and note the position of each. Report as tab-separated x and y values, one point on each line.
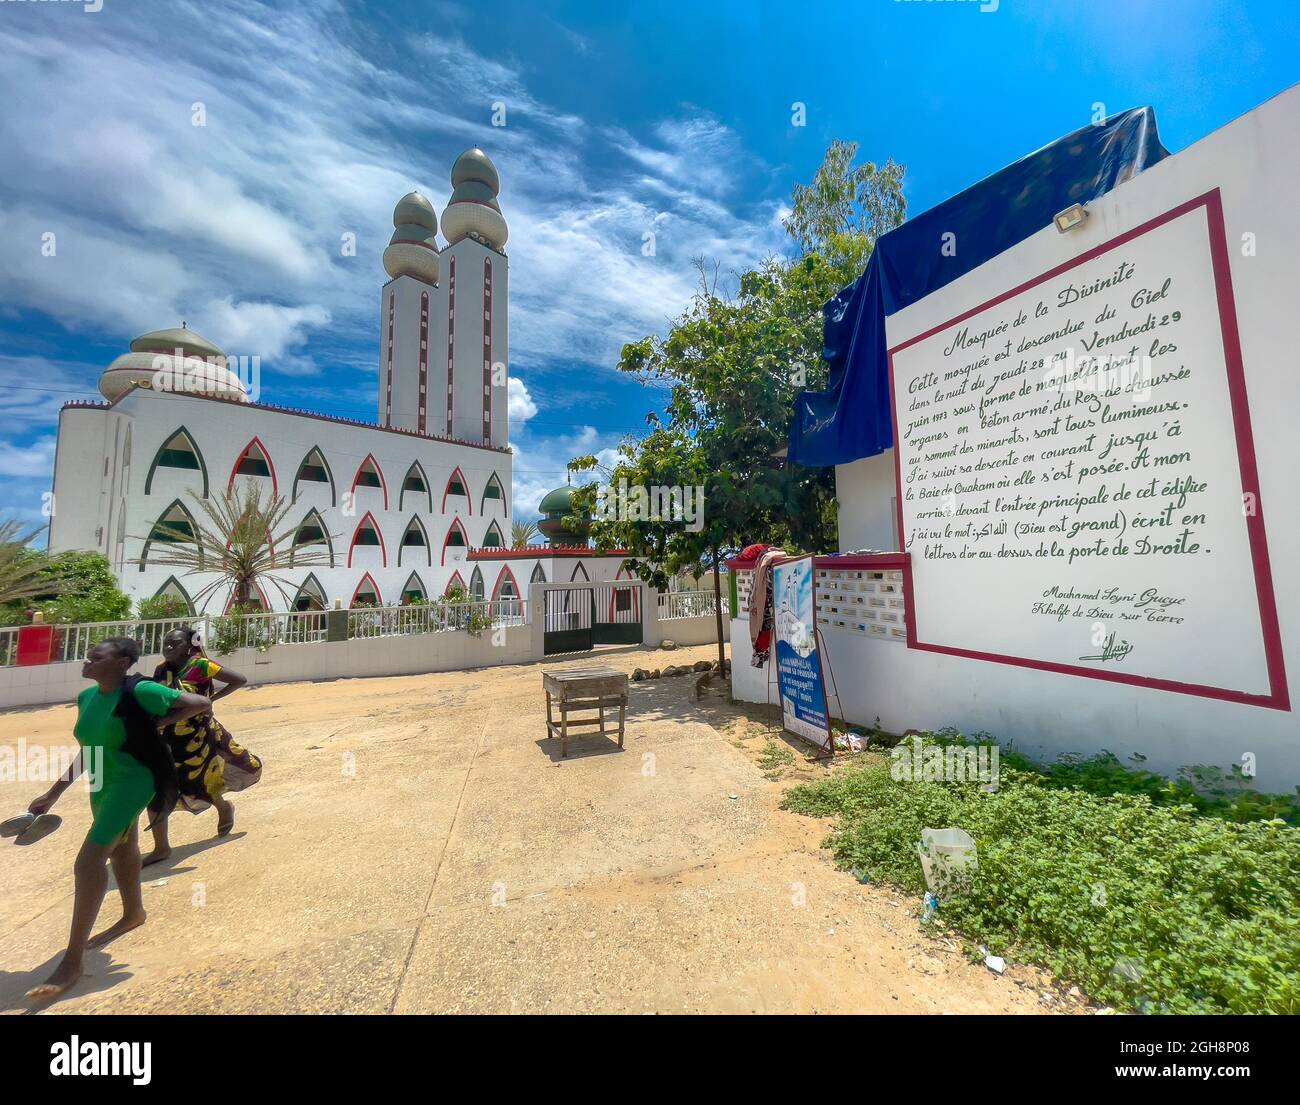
221	635
689	604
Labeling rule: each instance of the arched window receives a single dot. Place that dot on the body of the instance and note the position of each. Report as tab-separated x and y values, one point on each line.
495	493
457	487
173	589
456	538
367	535
367	593
506	587
579	570
256	601
417	483
175	526
310	596
413	590
457	582
314	469
493	539
369	474
311	531
414	537
476	585
178	451
539	574
254	461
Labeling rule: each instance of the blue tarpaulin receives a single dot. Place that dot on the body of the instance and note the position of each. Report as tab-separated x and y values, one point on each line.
851	418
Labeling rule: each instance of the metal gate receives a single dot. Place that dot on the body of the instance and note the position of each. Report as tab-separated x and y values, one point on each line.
583	615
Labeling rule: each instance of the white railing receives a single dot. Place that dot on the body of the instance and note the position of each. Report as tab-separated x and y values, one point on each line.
223	634
473	617
689	604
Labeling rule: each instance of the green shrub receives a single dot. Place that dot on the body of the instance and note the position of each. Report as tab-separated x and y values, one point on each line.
1208	910
162	606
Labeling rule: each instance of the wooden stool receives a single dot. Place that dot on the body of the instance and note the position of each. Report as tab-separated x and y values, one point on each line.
583	689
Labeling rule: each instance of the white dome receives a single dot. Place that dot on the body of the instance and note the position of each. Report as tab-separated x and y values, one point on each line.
412	251
474	164
414	209
167	372
467	218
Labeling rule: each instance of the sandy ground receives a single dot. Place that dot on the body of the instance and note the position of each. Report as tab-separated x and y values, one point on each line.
416	845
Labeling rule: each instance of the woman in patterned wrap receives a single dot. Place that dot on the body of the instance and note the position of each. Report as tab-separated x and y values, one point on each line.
209	764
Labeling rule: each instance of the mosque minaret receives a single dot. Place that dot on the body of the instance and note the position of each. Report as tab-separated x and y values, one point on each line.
402	509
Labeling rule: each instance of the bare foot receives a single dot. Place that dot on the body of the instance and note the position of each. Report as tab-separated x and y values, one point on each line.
156	856
65	976
126	924
225	818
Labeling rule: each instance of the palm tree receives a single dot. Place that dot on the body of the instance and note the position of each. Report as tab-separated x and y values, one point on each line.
521	533
244	545
23	571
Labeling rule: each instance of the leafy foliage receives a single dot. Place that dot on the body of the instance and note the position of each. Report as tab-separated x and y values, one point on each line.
162	606
24	572
1092	886
245	544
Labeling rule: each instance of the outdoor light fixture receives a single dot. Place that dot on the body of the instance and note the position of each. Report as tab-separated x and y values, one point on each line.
1071	217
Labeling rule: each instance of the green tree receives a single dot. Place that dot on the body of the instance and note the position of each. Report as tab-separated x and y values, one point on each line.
733	363
521	533
84	589
24	574
245	544
846	208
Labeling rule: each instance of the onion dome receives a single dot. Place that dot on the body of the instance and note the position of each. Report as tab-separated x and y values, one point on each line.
174	360
473	211
413	248
555	507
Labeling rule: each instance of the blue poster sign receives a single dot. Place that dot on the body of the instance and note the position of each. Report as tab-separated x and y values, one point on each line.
798	663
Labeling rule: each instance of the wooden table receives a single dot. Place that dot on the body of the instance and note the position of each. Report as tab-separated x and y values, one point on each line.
580	689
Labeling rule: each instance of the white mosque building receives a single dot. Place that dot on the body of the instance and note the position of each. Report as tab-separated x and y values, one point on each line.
401	509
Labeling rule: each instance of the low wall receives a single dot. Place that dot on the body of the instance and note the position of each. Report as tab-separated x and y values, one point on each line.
395	655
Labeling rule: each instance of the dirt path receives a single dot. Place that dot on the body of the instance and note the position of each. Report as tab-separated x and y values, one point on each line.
415	845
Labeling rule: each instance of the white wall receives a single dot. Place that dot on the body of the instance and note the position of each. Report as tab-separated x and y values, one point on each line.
397	655
1255	162
95	496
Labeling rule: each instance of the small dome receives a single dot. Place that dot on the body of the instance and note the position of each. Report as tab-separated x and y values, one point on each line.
555	507
173	338
559	501
165	372
414	209
475	191
412	251
474	164
468	219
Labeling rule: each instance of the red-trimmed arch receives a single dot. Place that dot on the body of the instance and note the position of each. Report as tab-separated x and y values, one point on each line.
469	502
501	578
379	597
352	545
455	526
457	580
383	480
270	464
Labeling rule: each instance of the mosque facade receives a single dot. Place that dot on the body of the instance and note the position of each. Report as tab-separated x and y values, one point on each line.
390	512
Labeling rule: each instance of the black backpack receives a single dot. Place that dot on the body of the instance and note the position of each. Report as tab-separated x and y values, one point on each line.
148	745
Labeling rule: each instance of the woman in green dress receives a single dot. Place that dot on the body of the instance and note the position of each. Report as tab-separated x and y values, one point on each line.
118	723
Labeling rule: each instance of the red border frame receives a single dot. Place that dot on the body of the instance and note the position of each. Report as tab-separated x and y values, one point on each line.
234	468
383	480
1278	697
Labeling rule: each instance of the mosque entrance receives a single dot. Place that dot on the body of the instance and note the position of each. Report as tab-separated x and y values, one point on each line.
578	617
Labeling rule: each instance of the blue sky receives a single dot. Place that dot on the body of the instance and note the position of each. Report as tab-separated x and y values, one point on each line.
673	118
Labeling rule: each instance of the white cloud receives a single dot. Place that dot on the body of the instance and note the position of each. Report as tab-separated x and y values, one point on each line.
520	403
